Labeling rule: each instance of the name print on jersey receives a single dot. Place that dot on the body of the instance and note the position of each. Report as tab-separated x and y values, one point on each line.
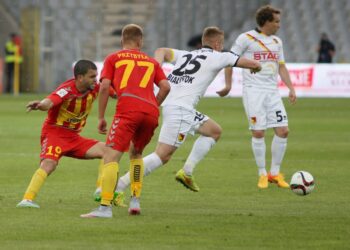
177	79
189	67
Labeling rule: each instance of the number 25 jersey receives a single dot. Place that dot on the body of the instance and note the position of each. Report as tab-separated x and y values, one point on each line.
193	73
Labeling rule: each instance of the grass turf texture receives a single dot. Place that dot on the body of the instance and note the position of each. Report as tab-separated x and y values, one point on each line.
229	212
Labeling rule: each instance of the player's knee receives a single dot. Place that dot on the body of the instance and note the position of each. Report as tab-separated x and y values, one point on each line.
48	166
282	132
165	158
217	133
258	133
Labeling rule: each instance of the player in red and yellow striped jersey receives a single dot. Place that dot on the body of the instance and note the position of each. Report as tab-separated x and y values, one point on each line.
68	108
132	74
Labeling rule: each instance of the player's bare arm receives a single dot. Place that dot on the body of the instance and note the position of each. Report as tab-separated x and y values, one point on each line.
246	63
228	83
164	89
102	105
42	105
284	74
163	54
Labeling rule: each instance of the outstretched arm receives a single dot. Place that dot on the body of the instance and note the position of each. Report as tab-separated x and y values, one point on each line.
246	63
42	105
163	54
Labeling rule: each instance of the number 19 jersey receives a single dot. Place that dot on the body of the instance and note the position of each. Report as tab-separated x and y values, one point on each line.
193	73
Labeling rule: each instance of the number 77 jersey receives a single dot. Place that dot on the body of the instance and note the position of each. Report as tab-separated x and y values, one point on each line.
193	72
132	74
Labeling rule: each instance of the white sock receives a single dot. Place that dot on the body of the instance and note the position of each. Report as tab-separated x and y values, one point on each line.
278	148
200	148
259	150
151	162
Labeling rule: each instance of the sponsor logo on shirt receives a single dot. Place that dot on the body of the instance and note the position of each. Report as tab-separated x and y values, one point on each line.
266	56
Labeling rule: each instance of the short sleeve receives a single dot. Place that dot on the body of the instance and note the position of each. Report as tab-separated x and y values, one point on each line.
176	54
240	45
108	69
281	54
229	59
58	96
159	74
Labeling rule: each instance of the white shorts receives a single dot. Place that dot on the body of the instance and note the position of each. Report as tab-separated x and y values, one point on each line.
264	109
178	122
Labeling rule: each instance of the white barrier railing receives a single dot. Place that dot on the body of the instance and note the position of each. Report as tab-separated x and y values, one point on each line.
309	80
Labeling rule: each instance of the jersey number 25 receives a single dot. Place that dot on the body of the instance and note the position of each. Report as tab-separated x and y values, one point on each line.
190	66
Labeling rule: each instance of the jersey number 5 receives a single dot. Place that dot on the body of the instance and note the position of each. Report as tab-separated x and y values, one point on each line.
130	64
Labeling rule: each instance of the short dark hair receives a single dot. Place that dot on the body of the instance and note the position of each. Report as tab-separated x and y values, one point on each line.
82	67
265	13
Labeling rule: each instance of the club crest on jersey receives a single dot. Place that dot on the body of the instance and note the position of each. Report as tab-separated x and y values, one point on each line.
180	137
253	120
265	56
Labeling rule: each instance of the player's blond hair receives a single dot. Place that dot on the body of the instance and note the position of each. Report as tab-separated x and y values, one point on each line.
132	33
211	35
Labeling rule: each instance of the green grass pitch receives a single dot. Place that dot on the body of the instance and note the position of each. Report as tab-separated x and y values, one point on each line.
229	212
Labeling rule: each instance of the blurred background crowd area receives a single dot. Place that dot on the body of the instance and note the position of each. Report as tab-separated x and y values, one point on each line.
55	33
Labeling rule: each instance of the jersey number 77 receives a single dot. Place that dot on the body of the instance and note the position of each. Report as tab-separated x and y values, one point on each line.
129	66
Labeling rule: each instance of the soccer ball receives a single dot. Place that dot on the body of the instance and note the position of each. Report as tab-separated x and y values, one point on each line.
302	183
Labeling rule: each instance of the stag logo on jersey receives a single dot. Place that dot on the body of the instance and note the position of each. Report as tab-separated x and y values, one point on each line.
265	56
180	137
253	120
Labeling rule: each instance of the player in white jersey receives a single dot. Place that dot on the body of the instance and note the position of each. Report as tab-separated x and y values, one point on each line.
192	74
262	103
